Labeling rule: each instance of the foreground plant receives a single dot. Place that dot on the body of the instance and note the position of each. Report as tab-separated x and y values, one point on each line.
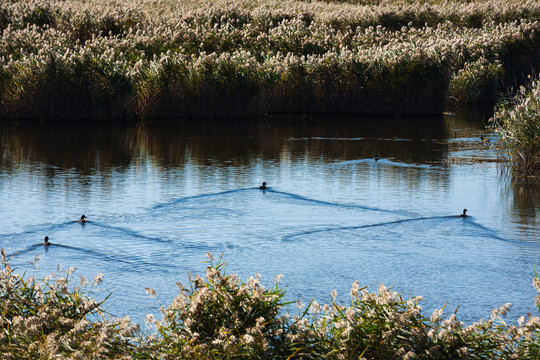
518	123
46	319
222	317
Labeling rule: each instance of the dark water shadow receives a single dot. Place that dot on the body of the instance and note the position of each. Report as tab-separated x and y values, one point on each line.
134	263
44	229
492	234
130	232
56	227
468	221
332	204
194	197
340	228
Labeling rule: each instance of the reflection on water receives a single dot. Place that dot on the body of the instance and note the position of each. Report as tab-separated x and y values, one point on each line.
525	196
159	197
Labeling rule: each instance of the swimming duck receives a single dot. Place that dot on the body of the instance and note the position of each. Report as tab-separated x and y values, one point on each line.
82	219
263	186
464	213
46	243
376	158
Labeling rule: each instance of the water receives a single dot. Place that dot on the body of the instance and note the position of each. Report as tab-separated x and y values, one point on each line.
159	197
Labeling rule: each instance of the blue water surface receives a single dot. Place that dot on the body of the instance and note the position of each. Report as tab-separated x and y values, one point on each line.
159	197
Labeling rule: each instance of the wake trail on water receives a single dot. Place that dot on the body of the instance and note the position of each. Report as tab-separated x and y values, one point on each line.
334	204
195	197
151	239
493	234
489	232
28	249
52	228
130	232
44	229
175	202
133	238
384	162
130	237
133	262
341	228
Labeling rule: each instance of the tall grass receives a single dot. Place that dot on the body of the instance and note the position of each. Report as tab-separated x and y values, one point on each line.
478	81
51	318
222	317
110	60
517	121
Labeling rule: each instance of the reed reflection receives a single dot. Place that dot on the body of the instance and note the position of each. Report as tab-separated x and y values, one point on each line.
204	149
525	197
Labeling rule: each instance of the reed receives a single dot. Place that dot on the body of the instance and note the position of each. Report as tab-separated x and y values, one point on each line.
517	121
222	317
114	60
477	82
51	318
226	85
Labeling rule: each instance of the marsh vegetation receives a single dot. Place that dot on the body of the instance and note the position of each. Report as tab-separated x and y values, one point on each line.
220	316
517	121
104	60
100	60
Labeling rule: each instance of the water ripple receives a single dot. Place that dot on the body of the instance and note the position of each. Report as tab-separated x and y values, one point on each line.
386	162
333	204
195	197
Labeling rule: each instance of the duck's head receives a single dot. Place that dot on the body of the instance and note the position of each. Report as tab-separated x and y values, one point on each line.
263	186
465	211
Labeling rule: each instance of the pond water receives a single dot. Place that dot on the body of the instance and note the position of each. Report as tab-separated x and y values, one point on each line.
159	197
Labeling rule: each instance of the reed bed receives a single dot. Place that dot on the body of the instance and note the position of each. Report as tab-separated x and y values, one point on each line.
517	122
222	317
101	60
51	318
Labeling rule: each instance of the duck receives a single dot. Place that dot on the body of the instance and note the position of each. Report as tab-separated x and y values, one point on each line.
484	139
263	186
46	243
82	219
376	158
464	213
